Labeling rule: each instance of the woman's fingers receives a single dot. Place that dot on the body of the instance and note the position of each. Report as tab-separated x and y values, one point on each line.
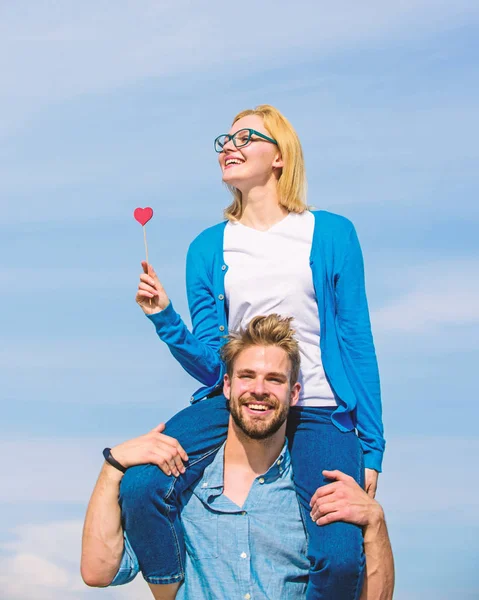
144	287
148	271
148	279
371	483
141	294
150	287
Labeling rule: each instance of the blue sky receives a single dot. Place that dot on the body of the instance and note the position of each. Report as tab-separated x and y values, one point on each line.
109	106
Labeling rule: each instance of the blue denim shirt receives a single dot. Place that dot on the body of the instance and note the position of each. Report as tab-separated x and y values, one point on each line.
254	552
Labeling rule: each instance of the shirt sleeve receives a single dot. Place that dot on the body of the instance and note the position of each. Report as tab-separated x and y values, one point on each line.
196	351
359	353
129	567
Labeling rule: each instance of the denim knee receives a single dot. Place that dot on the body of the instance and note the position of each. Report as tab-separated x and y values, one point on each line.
344	565
337	573
144	486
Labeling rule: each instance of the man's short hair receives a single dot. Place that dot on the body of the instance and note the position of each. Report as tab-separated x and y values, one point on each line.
272	330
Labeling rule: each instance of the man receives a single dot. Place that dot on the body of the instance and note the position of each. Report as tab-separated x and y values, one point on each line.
242	524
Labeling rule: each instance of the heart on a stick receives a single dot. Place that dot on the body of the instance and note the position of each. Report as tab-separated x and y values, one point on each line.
143	215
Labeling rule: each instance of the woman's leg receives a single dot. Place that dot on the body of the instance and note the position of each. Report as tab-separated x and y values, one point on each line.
149	499
335	550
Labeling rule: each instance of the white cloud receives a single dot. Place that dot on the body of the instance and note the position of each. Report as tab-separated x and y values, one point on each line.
43	564
429	297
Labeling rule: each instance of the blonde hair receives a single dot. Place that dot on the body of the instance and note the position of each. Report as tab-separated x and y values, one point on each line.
292	180
272	330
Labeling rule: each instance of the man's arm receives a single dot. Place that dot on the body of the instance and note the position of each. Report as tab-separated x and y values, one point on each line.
102	542
379	581
345	500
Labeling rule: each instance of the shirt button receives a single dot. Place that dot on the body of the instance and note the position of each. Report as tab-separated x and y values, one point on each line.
192	398
221	297
243	513
205	484
278	462
221	327
243	555
223	268
247	596
261	479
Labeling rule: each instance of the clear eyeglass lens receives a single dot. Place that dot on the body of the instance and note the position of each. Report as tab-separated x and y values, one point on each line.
242	137
220	142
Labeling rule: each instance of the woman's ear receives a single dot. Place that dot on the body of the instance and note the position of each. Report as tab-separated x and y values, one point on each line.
278	161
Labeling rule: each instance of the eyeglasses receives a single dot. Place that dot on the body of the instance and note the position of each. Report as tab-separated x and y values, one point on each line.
241	138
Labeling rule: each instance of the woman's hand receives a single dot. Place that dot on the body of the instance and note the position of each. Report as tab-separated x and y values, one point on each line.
371	482
151	295
152	448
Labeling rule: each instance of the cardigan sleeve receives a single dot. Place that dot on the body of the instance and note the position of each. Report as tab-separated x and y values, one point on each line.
197	351
354	326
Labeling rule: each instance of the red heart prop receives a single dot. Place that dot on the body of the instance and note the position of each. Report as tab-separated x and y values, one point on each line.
143	215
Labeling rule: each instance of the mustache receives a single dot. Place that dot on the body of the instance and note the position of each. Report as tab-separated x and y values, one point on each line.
252	398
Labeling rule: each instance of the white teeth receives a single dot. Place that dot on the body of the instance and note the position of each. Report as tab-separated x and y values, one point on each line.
233	161
258	407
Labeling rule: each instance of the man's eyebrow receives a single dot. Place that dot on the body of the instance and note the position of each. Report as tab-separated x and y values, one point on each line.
277	374
246	372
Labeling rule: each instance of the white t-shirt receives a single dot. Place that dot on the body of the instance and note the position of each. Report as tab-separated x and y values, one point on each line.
269	272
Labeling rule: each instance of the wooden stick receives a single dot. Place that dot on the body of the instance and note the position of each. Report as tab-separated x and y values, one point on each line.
146	251
146	247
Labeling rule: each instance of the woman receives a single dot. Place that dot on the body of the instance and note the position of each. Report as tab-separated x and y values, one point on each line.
271	255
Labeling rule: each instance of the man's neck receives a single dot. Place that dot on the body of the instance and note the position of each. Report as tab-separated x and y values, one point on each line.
245	459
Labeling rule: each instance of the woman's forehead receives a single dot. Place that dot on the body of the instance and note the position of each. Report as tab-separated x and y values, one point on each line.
249	122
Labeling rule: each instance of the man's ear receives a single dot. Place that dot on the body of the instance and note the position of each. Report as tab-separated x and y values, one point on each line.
226	386
295	394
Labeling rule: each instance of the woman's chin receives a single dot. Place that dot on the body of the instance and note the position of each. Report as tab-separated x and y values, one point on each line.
232	181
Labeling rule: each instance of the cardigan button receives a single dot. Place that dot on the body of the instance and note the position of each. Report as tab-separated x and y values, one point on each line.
221	327
221	297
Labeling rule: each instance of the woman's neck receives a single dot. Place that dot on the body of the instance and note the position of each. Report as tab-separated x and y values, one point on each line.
261	208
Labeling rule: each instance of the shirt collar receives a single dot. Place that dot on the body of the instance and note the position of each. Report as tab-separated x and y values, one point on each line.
213	476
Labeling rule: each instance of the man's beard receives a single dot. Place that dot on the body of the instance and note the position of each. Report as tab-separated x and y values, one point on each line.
257	429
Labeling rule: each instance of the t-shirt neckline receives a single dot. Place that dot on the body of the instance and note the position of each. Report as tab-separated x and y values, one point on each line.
272	228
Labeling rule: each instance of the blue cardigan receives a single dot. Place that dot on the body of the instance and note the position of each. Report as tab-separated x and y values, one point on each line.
346	342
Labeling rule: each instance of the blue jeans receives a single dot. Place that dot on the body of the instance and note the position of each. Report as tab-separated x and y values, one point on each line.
335	551
150	499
